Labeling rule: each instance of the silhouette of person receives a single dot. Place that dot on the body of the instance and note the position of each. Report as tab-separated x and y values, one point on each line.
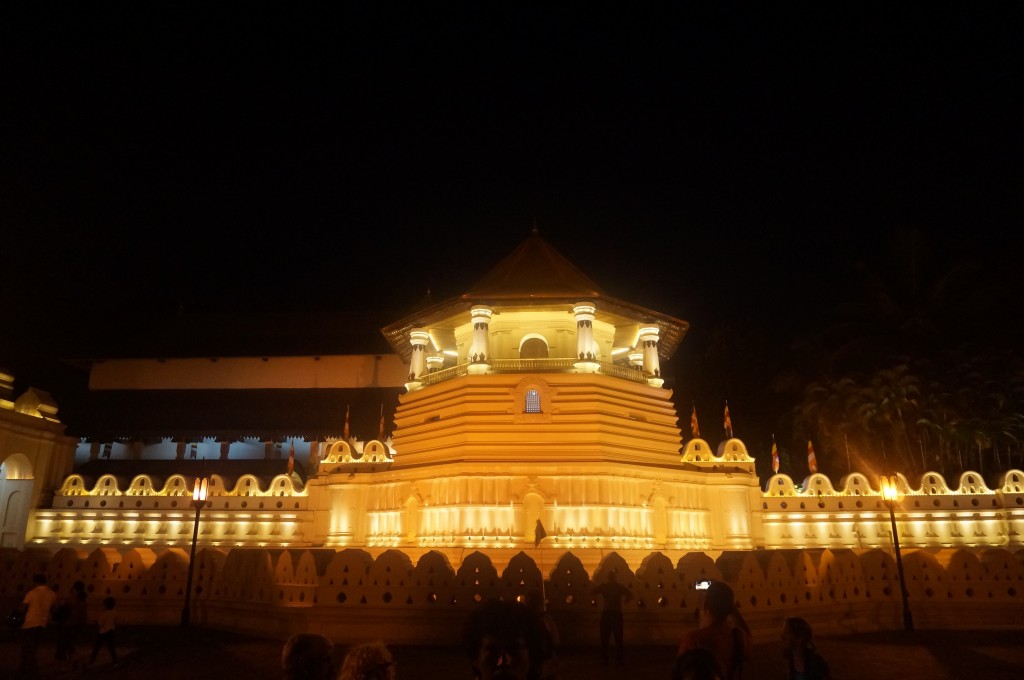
549	629
722	631
37	605
503	641
613	594
802	658
368	661
308	656
74	619
107	622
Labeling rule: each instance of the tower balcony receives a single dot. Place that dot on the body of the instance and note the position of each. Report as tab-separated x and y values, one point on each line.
563	365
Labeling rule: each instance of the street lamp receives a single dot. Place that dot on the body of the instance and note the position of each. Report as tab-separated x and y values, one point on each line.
891	495
199	492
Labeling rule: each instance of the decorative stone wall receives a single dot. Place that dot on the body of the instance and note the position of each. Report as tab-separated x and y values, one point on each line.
354	594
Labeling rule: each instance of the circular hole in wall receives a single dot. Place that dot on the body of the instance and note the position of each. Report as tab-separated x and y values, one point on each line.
103	504
431	598
341	598
663	601
887	591
386	597
138	504
477	597
569	599
970	592
280	505
928	592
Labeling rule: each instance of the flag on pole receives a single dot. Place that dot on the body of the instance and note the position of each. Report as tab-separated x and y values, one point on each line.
728	422
694	427
539	534
380	436
345	433
291	458
812	460
775	456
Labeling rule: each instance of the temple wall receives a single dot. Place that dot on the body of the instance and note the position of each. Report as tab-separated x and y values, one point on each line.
715	507
423	598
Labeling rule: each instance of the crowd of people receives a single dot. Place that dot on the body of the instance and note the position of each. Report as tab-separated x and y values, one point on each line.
503	640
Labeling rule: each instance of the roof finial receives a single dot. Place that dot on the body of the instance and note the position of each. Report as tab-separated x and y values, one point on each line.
535	231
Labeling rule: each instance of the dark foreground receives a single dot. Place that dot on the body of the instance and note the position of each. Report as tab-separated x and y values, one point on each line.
158	653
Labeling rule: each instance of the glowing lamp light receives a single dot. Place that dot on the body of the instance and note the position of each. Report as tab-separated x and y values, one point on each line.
891	496
200	491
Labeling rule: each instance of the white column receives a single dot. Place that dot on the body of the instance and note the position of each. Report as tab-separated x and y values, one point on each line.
419	339
479	351
585	349
652	365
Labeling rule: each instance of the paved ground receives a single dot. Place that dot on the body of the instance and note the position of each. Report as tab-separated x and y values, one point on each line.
159	653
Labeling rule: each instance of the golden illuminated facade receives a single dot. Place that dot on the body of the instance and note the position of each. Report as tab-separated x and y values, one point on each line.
533	400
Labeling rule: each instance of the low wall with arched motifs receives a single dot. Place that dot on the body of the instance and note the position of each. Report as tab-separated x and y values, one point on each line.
352	594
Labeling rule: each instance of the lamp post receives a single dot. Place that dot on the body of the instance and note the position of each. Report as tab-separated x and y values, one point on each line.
199	492
890	494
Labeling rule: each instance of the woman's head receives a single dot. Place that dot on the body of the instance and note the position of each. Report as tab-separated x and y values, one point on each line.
308	655
368	661
796	632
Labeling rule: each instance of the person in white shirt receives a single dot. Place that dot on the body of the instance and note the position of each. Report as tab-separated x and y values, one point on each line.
38	604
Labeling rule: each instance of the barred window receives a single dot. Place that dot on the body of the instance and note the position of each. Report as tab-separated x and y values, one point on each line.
532	401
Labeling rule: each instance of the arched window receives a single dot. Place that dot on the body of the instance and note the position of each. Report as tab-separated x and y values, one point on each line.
533	348
532	401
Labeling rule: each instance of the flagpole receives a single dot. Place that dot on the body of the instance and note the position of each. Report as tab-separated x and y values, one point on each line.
849	468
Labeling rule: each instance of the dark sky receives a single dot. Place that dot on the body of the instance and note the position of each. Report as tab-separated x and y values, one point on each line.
719	165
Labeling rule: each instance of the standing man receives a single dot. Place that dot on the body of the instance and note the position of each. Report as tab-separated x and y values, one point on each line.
613	594
38	603
503	641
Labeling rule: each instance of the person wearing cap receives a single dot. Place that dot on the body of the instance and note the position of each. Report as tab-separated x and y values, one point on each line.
722	631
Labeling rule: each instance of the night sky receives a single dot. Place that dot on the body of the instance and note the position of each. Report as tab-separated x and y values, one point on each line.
732	168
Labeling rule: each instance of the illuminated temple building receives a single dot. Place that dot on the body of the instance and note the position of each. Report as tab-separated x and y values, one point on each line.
421	473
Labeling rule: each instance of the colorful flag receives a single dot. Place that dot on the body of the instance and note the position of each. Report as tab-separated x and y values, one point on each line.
812	460
728	422
539	534
291	458
775	456
694	427
344	435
